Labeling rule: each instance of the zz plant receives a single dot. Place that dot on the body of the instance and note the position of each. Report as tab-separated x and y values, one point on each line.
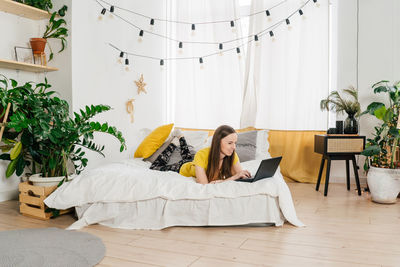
41	135
55	29
381	149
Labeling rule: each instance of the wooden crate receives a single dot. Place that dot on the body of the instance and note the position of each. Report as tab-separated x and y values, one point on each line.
31	199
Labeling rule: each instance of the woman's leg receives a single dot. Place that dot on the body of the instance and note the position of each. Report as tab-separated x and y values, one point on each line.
161	161
185	152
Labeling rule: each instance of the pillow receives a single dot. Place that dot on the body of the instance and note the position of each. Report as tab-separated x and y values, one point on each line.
194	139
153	141
261	146
246	145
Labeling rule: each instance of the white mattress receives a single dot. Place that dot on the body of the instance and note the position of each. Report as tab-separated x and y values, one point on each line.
130	195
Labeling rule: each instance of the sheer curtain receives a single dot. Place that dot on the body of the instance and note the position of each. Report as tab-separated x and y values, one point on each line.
286	78
209	94
276	85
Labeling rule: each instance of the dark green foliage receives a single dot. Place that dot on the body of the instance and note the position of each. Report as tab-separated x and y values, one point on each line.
41	4
41	133
55	29
381	149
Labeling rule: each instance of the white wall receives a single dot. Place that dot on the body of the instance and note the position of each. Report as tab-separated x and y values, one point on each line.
97	78
378	56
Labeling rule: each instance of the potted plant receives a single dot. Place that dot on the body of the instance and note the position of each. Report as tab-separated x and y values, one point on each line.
55	30
341	104
41	4
382	162
41	135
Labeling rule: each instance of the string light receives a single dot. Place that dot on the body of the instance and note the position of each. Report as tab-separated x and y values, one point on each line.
272	35
126	64
268	13
103	11
180	50
112	9
121	55
233	26
238	52
221	47
152	25
140	39
288	24
316	3
193	29
256	40
201	63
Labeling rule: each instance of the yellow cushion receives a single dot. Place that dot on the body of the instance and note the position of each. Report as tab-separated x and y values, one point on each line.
153	141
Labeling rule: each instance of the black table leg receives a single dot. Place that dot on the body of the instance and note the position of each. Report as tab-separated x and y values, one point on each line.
356	175
347	174
321	169
328	169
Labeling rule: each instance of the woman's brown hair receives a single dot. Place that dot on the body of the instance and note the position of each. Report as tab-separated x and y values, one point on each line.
213	172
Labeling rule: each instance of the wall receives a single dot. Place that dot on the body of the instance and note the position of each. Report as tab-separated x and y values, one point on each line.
97	77
378	56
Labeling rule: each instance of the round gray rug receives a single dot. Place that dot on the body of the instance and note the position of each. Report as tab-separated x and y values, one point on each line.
49	247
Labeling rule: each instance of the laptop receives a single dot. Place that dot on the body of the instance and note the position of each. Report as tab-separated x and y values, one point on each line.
266	169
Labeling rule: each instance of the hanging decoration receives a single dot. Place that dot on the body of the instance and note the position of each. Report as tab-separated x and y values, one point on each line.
140	85
256	37
130	109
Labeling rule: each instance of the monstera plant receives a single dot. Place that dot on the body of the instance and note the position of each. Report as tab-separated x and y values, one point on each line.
41	135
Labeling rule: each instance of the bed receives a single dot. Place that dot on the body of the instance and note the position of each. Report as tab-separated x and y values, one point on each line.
128	195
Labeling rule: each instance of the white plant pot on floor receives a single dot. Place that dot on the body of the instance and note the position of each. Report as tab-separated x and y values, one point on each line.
384	184
38	180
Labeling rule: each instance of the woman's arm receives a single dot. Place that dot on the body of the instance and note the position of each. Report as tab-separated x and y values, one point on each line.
238	173
201	176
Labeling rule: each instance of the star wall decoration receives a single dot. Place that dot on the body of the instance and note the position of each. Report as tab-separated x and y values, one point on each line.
140	85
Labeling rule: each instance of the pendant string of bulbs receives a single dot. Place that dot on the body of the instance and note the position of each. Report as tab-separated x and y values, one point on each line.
245	40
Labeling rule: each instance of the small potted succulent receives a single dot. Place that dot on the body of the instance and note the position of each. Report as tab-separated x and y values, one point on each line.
42	136
54	30
382	151
350	104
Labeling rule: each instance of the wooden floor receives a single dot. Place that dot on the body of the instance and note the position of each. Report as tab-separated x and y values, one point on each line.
343	229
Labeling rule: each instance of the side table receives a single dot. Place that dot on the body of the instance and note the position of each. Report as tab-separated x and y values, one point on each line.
338	147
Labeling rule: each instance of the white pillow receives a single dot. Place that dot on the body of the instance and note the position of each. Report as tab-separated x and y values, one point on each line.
262	144
197	139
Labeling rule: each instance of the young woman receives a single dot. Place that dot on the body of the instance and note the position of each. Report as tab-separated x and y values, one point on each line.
217	163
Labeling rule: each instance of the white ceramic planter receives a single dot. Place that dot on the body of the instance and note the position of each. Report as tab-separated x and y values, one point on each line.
384	184
38	180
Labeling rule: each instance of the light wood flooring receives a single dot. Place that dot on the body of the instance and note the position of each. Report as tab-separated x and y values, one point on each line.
343	229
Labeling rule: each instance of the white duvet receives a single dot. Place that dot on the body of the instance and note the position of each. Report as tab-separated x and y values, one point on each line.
132	181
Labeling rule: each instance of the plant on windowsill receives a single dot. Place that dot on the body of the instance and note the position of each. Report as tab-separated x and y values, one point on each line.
382	151
41	134
54	30
336	102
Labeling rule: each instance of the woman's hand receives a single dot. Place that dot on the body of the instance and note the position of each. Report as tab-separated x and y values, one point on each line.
242	174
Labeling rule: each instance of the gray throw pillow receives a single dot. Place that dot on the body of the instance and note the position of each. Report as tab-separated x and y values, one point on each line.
153	157
246	146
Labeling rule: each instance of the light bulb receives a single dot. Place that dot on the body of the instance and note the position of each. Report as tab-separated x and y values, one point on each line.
289	28
140	39
119	60
127	68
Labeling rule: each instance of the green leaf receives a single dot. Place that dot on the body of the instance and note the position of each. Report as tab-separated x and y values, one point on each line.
380	89
394	132
20	166
380	112
11	168
14	153
5	156
372	107
104	127
371	151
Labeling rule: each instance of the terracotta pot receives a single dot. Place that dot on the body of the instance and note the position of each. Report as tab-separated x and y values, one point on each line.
38	45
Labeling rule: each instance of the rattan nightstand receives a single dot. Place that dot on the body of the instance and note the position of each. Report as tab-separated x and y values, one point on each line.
338	147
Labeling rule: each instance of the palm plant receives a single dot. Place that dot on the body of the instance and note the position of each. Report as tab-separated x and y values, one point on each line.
41	134
340	104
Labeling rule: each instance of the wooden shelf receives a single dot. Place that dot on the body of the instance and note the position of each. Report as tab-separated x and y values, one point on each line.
15	65
23	10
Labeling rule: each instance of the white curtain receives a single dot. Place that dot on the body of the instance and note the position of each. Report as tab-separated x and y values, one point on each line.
277	86
209	95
